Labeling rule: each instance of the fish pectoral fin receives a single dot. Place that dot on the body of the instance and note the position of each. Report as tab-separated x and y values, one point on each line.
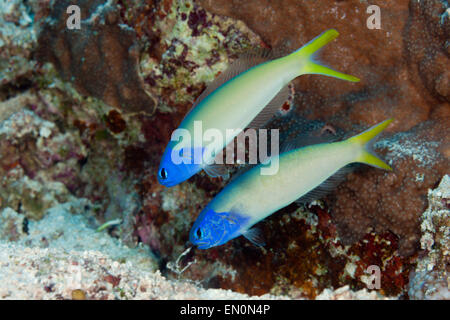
254	235
217	170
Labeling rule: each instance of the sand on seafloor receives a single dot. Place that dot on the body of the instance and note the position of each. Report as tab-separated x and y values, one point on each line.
61	257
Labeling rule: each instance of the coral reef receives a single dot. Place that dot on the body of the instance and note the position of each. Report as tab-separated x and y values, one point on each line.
38	163
100	59
345	293
388	79
12	225
187	47
61	257
394	201
431	278
81	138
17	42
427	47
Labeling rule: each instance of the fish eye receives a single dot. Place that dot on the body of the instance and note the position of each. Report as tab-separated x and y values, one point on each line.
199	233
163	174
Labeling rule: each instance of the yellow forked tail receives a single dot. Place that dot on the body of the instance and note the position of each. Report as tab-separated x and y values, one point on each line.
306	53
363	139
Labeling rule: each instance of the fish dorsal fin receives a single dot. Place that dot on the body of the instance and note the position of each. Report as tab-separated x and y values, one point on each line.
271	108
306	139
302	140
243	63
254	235
327	186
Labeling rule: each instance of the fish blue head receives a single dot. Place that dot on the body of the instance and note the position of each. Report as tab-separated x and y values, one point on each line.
172	172
213	229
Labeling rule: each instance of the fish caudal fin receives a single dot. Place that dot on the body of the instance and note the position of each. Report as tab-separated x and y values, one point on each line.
309	66
364	139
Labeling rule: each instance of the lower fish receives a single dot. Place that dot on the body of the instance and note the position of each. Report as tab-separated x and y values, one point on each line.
305	173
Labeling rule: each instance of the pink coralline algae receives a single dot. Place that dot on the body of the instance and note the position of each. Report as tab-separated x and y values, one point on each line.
38	163
35	144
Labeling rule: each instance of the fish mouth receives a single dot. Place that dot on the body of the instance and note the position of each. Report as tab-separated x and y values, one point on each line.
203	245
167	183
206	245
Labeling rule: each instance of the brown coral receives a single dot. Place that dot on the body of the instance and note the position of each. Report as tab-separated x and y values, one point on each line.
375	56
428	53
394	200
101	59
431	279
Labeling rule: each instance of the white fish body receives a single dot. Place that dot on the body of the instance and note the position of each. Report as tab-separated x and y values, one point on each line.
251	197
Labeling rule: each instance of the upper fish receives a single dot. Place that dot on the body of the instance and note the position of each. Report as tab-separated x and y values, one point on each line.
304	174
246	95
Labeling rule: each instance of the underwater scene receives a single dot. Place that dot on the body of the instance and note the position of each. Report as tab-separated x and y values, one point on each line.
225	149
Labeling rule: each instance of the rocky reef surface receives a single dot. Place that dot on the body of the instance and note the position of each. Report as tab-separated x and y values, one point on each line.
86	114
430	279
62	257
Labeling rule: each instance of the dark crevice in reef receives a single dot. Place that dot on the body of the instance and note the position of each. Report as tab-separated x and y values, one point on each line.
12	89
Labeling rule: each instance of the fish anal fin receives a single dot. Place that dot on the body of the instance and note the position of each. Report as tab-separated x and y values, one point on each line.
327	186
254	235
271	108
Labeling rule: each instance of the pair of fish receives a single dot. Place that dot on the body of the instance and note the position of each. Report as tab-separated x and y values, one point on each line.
247	95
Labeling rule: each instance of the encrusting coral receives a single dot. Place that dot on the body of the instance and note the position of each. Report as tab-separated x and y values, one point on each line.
38	163
431	278
427	47
100	59
17	44
415	29
394	201
12	225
